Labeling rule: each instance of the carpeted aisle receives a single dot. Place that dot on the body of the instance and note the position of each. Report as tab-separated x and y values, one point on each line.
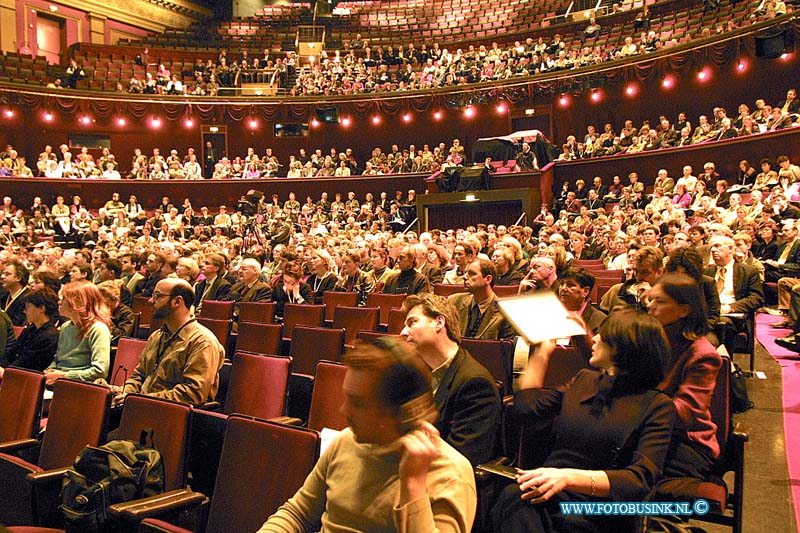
790	370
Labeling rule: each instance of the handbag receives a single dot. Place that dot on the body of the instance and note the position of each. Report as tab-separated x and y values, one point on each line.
739	400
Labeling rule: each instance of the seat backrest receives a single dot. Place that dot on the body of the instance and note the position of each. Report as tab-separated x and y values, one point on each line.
495	355
397	321
258	312
257	385
141	304
301	315
259	338
333	299
372	336
328	397
312	344
220	328
720	407
564	364
218	310
262	465
77	418
505	290
444	289
385	302
20	404
170	424
354	319
128	352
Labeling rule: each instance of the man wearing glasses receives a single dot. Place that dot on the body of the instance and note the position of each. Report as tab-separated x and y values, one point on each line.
181	361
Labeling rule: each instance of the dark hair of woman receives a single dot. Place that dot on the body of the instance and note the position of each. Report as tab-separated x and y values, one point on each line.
687	292
640	348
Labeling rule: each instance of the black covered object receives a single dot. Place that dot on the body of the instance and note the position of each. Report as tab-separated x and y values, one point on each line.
458	179
497	149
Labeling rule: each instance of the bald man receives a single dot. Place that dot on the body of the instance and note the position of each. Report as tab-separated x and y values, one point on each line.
181	361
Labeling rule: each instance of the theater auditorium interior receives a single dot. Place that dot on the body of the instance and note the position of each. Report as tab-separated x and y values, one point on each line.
327	143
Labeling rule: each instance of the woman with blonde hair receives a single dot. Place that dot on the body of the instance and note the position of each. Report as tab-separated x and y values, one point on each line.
84	344
323	274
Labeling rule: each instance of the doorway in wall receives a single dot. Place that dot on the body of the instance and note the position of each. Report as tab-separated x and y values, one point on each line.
51	37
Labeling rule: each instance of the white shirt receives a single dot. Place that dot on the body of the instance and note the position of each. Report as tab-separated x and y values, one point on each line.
727	294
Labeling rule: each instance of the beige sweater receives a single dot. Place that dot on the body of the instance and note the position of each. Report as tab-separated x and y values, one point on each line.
355	487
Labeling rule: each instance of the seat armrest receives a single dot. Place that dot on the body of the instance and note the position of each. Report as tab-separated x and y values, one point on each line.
14	446
288	420
741	432
172	501
214	407
46	477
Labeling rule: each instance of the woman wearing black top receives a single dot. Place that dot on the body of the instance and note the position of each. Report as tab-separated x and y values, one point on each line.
612	431
37	344
766	245
290	290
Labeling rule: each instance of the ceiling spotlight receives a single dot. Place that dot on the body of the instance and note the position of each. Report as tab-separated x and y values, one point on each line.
189	123
376	119
253	123
501	109
9	113
121	121
407	118
346	122
437	115
314	123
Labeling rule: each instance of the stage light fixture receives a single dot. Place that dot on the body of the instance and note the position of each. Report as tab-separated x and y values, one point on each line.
346	122
407	118
121	121
155	122
189	123
469	112
437	115
253	123
48	117
314	123
502	109
376	119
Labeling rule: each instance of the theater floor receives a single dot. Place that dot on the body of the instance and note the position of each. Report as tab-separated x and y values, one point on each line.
768	503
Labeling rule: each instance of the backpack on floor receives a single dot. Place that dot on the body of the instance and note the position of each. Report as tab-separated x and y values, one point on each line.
116	472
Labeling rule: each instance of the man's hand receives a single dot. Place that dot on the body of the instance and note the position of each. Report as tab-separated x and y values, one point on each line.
118	400
420	448
51	375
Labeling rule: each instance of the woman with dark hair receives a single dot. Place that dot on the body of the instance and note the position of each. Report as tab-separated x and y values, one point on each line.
37	343
689	261
612	431
766	245
290	289
676	301
84	344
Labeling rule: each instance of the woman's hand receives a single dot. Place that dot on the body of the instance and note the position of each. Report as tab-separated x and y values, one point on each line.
541	484
51	375
420	447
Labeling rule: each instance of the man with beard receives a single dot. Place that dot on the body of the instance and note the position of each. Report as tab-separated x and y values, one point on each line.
180	361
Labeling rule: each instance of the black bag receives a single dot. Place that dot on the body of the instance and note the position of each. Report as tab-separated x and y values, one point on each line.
116	472
739	400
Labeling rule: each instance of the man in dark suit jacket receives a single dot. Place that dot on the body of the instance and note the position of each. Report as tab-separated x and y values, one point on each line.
788	262
14	279
249	289
739	286
432	272
214	286
574	287
463	390
479	317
